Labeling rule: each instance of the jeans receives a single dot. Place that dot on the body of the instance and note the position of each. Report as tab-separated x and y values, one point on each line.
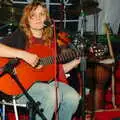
67	98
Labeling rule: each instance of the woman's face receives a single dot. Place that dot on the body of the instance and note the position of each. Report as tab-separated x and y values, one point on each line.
37	18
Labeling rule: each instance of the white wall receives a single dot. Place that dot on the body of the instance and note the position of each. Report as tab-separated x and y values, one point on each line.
110	14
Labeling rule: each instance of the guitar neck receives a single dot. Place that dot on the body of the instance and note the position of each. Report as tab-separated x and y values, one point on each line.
109	45
62	58
108	33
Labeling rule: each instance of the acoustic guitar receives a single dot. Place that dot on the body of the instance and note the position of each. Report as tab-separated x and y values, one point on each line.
29	75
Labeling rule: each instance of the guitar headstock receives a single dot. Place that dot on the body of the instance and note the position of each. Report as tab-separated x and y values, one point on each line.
98	50
107	28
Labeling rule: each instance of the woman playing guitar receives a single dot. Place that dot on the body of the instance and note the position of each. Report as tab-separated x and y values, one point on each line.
37	38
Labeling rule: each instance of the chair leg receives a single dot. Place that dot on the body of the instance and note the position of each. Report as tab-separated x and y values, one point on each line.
15	108
3	108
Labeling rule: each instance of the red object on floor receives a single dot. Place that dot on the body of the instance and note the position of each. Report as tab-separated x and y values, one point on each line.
76	118
11	116
107	115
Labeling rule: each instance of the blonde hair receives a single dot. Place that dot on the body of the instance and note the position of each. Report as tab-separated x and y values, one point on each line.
24	24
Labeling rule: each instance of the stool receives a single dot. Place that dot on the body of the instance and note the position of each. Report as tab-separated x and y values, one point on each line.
13	103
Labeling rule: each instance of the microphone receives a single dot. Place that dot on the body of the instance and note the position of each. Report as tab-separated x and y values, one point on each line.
48	23
8	68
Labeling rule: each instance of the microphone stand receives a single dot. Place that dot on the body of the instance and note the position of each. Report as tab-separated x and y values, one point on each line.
32	105
83	66
83	62
56	69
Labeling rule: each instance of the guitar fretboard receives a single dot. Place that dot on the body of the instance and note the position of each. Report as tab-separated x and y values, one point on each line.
64	57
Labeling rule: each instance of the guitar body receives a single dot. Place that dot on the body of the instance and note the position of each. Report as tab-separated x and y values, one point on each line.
27	74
